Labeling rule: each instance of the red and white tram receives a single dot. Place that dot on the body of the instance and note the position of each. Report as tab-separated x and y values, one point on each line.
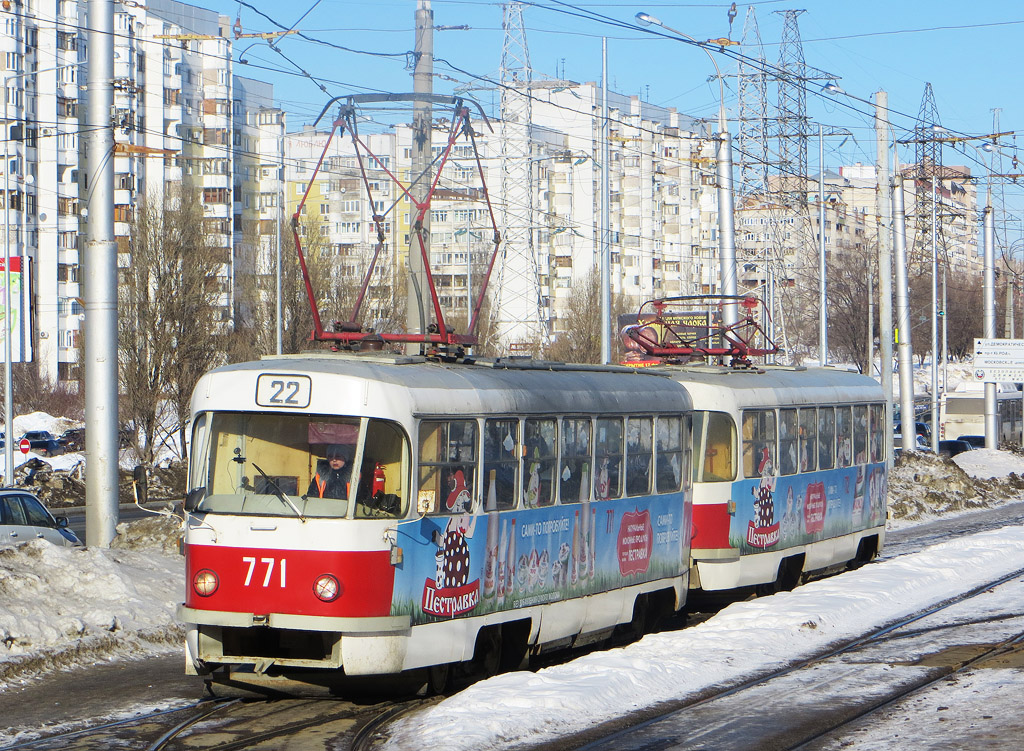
789	467
489	511
789	473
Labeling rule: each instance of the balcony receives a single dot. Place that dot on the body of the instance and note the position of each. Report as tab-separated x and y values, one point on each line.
216	181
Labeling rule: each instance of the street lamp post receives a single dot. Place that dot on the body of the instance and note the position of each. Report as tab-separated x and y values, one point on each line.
726	219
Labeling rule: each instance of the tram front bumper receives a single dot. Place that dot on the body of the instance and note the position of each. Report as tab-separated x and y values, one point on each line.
362	646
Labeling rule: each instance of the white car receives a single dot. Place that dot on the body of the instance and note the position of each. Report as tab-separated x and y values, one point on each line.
921	444
24	518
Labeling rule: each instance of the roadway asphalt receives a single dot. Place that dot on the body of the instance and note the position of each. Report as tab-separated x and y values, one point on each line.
127	512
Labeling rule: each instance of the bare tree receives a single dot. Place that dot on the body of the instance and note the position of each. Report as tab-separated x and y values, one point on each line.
581	340
336	277
169	294
964	322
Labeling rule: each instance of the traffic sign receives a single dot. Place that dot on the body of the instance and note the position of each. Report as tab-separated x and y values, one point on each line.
997	360
24	445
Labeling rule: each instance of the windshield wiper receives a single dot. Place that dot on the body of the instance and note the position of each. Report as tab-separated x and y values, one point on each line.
282	496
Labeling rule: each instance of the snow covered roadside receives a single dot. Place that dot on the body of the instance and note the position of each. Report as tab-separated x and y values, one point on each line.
67	607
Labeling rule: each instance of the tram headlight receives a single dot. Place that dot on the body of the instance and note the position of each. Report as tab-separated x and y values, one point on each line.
327	588
205	582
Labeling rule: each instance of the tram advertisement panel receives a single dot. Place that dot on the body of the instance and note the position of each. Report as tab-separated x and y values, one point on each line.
775	512
472	564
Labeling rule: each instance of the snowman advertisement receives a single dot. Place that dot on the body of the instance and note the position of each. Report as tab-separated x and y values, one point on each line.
763	530
450	592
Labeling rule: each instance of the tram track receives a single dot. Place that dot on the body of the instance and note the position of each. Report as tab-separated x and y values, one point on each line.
232	724
1006	646
787	709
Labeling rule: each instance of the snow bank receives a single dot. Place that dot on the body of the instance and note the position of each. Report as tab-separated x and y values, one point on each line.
988	463
62	607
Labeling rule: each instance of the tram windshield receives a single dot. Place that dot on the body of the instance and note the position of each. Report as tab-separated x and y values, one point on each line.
298	465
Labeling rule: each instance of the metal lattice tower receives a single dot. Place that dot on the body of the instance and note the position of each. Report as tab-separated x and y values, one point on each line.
792	125
928	158
519	310
752	139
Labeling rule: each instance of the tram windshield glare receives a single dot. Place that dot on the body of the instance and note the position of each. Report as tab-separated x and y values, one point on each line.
307	465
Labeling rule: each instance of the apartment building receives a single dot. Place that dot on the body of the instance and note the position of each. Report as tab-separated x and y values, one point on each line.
180	116
663	203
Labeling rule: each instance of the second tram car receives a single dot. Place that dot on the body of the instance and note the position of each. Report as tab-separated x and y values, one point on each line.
488	511
789	473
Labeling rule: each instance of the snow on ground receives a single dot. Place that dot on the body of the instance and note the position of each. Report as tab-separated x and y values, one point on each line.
988	463
63	607
41	421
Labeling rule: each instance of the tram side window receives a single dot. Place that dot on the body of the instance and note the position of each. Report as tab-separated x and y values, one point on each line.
826	437
639	432
860	434
669	456
759	449
808	440
501	456
380	491
714	440
876	435
574	476
608	445
844	437
447	471
539	462
788	433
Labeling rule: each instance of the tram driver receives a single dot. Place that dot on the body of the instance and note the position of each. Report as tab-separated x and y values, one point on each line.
332	474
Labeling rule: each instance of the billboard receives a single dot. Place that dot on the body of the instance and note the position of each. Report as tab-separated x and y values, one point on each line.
18	326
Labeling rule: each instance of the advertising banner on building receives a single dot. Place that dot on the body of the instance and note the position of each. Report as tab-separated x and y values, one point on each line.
17	327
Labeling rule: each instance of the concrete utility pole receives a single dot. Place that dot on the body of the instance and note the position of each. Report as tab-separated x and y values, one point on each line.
883	208
822	288
423	83
726	219
945	335
991	417
606	248
906	355
871	325
100	264
934	316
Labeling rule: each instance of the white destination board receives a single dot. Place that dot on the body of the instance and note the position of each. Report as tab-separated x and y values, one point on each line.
997	360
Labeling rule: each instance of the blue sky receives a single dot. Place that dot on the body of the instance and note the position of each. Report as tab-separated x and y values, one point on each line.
969	52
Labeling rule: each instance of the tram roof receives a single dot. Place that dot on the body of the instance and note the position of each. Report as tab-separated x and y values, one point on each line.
516	385
774	385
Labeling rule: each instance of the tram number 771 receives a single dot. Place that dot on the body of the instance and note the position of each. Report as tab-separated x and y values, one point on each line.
269	563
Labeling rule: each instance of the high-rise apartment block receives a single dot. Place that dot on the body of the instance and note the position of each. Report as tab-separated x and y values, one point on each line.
663	204
180	117
183	117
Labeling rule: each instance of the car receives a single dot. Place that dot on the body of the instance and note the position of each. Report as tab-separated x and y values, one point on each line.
41	441
23	518
951	448
977	441
921	445
923	429
73	440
